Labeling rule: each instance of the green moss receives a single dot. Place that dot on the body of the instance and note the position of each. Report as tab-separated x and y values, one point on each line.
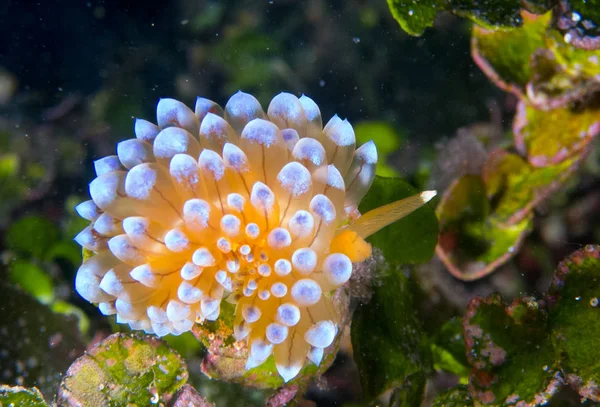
575	319
511	352
532	377
91	390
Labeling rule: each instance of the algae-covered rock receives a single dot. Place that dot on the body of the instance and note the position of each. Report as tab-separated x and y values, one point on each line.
511	353
18	396
124	370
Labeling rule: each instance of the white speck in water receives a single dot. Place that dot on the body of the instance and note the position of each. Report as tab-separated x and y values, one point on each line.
356	40
184	22
322	83
578	298
410	12
594	302
568	38
575	17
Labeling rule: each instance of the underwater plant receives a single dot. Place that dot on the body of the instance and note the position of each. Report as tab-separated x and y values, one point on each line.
233	204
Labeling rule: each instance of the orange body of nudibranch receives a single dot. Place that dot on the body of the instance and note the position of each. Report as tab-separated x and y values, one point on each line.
232	204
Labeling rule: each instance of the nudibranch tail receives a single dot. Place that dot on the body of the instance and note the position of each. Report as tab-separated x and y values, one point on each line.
378	218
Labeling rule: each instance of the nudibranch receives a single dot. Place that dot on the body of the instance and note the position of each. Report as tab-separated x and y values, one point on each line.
257	209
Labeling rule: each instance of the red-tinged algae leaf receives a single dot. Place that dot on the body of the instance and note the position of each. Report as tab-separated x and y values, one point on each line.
484	219
36	344
516	187
18	396
505	56
124	370
551	137
536	63
457	396
472	243
574	303
510	351
562	74
579	20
